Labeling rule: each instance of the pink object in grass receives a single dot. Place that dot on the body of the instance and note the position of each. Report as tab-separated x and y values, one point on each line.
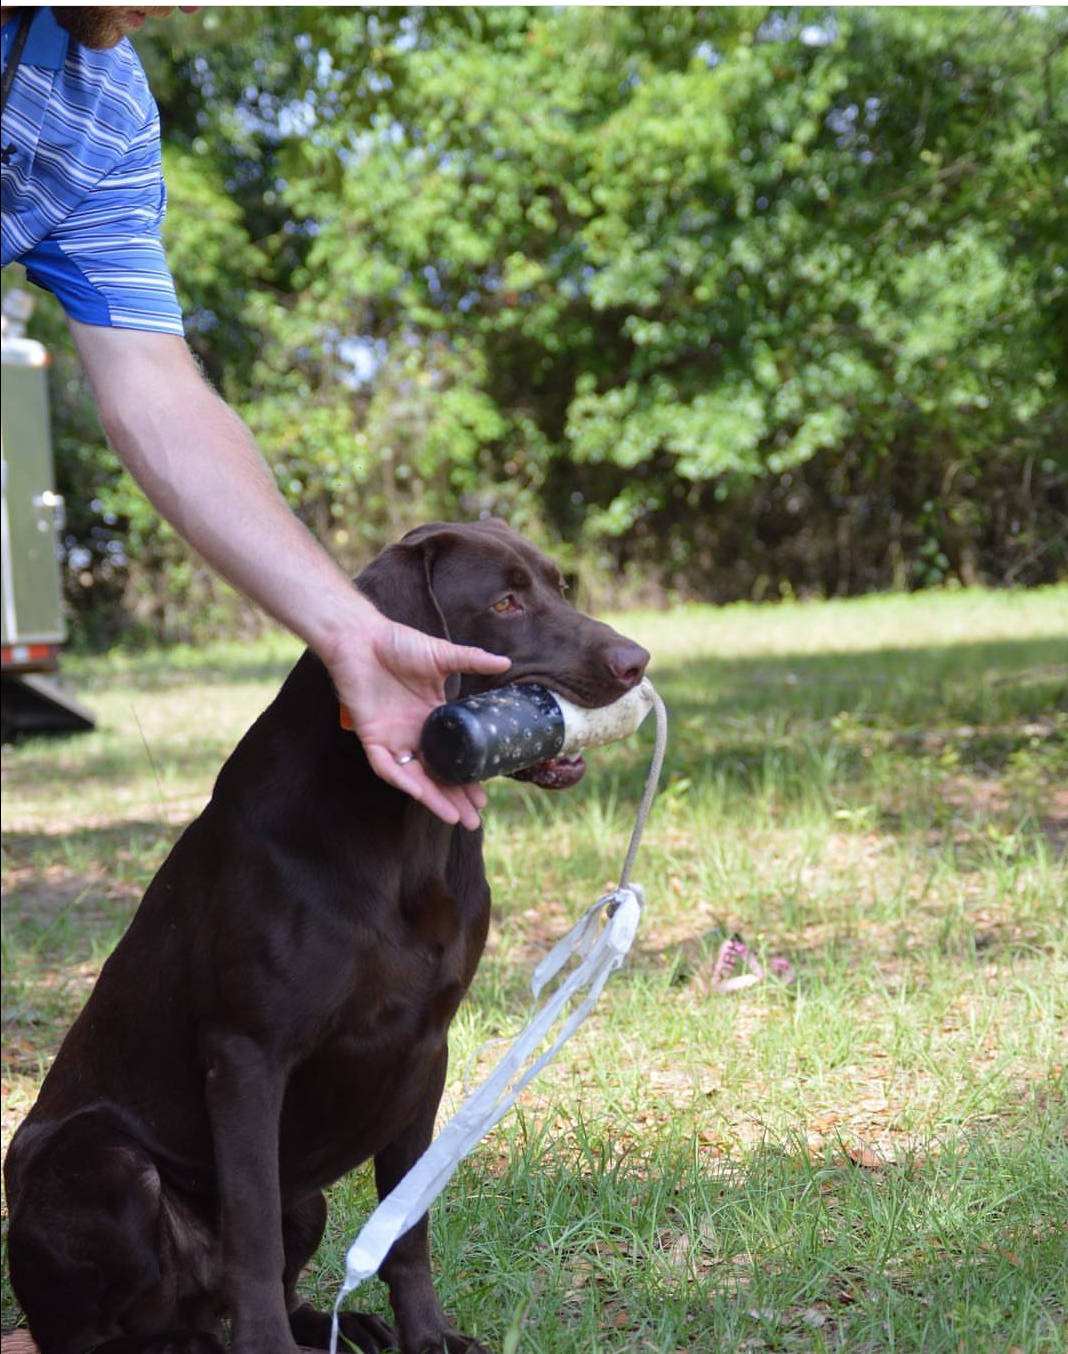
736	967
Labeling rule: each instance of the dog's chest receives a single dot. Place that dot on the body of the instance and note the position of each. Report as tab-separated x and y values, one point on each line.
379	1064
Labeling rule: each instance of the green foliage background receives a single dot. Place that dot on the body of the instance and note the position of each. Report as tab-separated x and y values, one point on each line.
738	302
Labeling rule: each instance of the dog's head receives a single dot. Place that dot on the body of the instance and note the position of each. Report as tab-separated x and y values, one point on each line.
479	583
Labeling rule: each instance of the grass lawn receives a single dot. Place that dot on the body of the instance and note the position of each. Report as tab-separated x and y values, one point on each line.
870	1158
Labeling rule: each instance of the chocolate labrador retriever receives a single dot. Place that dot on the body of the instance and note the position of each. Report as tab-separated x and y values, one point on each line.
277	1011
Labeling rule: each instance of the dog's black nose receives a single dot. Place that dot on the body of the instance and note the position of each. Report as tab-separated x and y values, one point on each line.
626	662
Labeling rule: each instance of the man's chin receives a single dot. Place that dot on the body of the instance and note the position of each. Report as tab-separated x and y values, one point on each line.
93	26
100	27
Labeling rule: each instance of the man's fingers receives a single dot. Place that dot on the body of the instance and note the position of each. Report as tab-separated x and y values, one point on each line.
413	781
451	803
482	660
466	658
407	679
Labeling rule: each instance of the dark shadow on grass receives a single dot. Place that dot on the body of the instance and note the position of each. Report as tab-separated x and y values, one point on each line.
115	764
799	726
902	686
787	718
158	676
140	839
59	917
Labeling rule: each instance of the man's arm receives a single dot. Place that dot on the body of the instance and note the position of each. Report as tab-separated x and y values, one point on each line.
198	465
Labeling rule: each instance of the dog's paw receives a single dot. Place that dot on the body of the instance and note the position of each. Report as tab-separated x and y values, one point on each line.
361	1331
368	1333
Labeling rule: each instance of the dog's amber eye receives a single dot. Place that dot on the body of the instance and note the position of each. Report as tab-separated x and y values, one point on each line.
506	603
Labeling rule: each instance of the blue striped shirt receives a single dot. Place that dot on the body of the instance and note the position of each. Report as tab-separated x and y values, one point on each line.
82	184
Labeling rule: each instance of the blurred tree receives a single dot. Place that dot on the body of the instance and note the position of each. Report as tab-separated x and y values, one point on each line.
786	263
742	300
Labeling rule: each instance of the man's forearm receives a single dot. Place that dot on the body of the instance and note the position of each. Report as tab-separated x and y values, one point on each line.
198	465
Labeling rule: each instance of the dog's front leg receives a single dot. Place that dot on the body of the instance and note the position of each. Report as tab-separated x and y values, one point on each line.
424	1328
244	1096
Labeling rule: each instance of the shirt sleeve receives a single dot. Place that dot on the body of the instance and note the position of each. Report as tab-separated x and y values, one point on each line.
105	260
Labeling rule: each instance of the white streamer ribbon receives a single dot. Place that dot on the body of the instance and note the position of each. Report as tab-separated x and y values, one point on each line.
601	939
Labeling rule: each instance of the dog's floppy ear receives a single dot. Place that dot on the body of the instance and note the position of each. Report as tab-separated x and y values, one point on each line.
400	580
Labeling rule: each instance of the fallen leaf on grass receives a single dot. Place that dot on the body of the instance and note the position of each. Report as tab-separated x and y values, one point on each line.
618	1319
811	1317
677	1254
873	1105
685	1250
870	1160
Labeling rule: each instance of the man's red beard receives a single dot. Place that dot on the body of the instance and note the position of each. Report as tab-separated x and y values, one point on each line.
103	26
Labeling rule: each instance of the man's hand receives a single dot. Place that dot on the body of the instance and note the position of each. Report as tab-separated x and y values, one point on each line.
197	463
389	680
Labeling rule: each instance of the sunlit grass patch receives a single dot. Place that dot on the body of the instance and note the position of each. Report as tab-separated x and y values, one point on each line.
871	1156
